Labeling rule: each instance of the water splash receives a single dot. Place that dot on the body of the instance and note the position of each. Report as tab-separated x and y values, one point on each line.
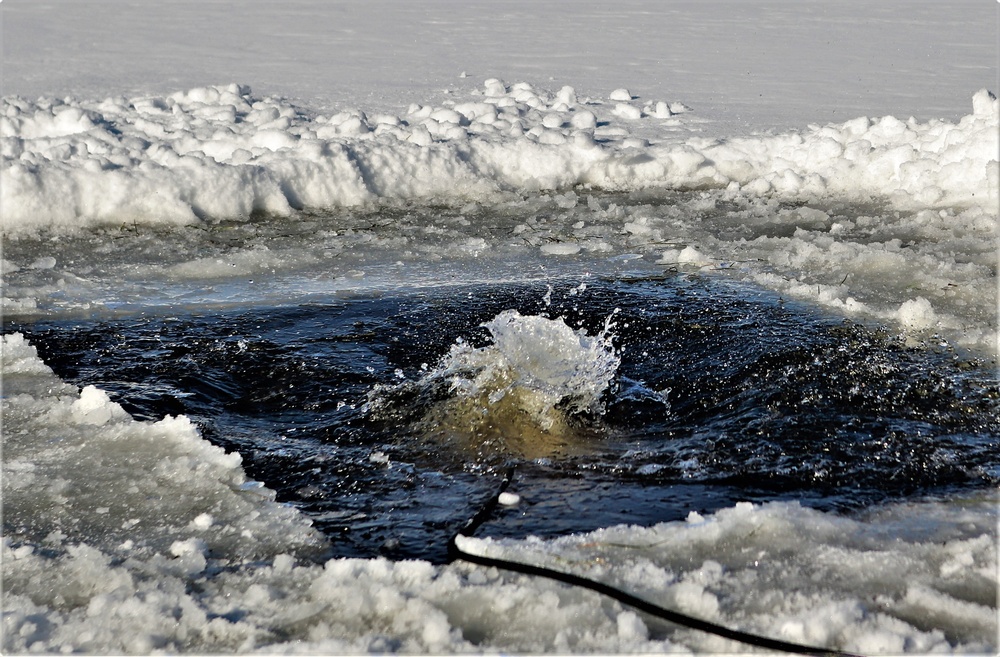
529	392
543	360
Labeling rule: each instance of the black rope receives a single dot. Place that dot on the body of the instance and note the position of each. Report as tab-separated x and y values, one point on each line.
470	527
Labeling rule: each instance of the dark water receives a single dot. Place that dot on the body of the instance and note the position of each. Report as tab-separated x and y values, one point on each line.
765	401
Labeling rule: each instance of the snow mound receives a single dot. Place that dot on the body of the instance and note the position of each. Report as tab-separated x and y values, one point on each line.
223	153
76	464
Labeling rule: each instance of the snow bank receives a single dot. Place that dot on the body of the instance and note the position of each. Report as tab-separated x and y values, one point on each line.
223	153
77	466
913	164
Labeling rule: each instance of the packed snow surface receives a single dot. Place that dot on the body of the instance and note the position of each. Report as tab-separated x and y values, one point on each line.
745	66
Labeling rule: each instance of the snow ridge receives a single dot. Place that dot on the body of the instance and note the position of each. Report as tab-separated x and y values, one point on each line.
221	152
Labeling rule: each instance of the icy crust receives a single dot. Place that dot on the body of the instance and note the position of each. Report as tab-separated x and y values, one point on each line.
224	153
77	468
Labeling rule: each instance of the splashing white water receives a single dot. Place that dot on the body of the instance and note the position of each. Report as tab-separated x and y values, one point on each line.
515	395
543	361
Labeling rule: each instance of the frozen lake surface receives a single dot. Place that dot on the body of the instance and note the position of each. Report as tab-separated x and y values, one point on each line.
287	288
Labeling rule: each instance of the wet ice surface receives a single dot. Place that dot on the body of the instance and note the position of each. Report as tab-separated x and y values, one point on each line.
723	394
928	273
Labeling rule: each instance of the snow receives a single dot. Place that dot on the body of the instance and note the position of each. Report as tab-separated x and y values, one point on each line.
217	153
68	453
772	142
746	66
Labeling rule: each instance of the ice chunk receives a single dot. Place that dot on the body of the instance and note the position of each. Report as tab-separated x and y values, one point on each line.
627	111
508	499
20	357
984	104
560	248
495	88
95	407
917	315
46	262
584	120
